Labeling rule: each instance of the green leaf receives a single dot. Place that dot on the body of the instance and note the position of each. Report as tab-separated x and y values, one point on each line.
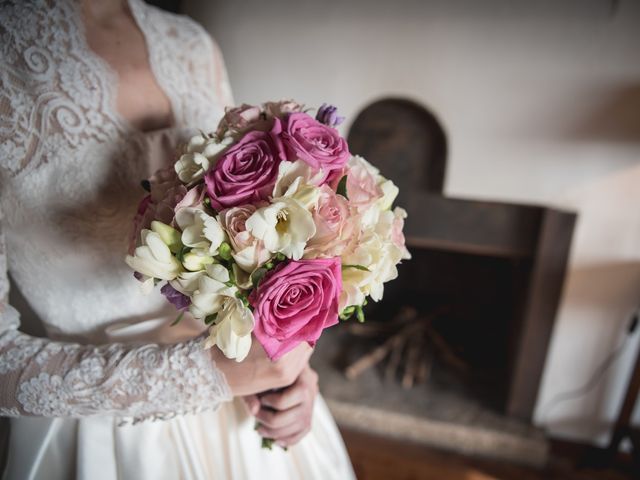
357	267
177	320
225	251
268	443
280	257
257	276
209	319
360	314
232	275
342	187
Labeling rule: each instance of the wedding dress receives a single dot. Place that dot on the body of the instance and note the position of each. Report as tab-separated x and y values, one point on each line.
112	391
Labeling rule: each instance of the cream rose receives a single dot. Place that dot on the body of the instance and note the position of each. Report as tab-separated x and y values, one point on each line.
248	251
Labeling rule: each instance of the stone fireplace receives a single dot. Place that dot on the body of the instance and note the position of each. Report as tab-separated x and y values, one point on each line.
488	275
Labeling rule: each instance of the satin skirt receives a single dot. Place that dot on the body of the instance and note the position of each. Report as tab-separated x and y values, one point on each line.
221	444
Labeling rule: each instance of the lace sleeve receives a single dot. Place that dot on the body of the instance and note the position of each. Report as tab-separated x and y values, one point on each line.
40	377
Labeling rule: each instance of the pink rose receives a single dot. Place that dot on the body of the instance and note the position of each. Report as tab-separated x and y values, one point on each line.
248	252
295	302
238	120
334	225
247	171
320	146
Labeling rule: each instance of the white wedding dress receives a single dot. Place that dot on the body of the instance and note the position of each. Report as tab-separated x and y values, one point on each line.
113	391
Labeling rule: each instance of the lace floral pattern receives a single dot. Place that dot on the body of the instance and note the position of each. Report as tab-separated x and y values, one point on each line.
63	144
149	381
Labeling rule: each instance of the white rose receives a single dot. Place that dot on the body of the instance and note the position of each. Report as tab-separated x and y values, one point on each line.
153	258
232	330
284	227
200	231
211	292
201	152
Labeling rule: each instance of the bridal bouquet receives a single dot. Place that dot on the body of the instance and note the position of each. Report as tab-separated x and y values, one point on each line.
270	227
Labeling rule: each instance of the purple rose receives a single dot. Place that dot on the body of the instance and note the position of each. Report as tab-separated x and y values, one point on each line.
320	146
247	171
295	302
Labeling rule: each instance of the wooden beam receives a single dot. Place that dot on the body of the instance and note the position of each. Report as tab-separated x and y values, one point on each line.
540	309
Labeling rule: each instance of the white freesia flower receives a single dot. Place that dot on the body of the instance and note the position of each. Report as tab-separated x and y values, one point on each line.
196	260
212	291
200	155
187	282
379	256
284	227
298	180
232	330
153	258
200	231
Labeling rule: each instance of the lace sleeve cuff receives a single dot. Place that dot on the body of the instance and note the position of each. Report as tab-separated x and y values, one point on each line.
150	381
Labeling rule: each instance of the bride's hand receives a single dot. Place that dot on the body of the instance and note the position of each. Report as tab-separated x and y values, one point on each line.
285	416
257	373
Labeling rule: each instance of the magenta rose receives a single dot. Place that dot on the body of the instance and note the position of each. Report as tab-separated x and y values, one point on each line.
314	143
247	171
295	302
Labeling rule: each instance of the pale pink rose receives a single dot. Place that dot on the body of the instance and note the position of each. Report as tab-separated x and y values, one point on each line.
166	192
334	225
397	234
295	302
248	251
281	108
238	120
192	198
362	185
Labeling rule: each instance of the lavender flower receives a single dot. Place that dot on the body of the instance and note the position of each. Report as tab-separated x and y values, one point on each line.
179	300
328	114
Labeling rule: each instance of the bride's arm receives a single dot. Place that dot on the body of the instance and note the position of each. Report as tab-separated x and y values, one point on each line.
41	377
55	379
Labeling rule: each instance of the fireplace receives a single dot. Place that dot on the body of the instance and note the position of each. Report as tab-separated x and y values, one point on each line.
488	276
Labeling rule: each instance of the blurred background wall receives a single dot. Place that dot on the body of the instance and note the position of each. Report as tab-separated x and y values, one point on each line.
541	103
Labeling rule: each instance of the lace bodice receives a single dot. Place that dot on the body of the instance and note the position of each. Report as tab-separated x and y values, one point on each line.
70	168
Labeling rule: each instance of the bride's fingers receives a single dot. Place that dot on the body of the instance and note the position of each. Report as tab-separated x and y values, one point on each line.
252	403
284	432
286	399
304	389
293	439
278	419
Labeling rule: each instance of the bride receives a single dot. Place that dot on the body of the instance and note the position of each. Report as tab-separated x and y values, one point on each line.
94	94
